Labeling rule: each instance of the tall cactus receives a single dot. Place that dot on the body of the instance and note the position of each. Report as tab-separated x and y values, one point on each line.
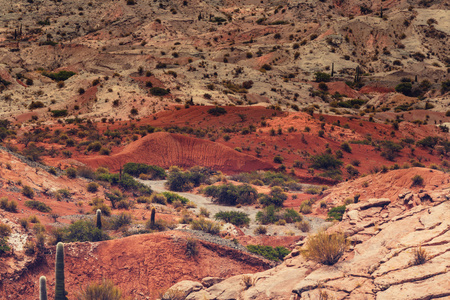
60	291
42	288
99	219
152	218
332	69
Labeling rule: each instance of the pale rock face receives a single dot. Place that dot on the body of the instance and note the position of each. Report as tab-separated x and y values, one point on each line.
379	266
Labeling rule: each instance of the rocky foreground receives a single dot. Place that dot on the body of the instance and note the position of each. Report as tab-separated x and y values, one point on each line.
379	264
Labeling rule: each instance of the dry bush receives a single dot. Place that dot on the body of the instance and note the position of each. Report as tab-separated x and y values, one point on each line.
260	230
420	256
248	281
191	247
325	248
173	294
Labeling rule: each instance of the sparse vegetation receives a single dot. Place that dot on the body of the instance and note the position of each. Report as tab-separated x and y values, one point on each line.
233	217
100	290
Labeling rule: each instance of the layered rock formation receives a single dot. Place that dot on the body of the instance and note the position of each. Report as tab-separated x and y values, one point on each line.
378	265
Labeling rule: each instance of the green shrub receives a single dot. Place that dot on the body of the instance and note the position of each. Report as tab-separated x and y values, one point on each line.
205	226
268	252
325	161
80	231
60	76
278	159
346	147
136	169
276	197
71	172
325	248
417	180
233	217
230	194
428	142
92	187
98	203
180	181
217	111
4	247
120	220
191	247
157	91
159	225
28	191
59	113
38	205
104	151
336	213
7	205
268	216
390	150
173	197
322	77
126	182
405	88
159	198
35	104
94	146
291	216
306	207
5	230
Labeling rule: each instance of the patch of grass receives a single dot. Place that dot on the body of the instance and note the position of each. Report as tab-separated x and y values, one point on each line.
325	248
336	213
205	225
420	256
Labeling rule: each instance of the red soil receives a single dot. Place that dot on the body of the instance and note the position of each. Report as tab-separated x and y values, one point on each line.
140	265
166	149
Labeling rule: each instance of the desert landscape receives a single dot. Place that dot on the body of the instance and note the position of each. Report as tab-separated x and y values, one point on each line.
218	150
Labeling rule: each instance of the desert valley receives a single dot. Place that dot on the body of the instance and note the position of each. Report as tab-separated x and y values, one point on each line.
219	150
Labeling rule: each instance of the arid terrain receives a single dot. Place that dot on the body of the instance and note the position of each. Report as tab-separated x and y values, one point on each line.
198	149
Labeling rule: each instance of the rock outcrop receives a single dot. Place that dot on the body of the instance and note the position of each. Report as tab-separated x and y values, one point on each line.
380	263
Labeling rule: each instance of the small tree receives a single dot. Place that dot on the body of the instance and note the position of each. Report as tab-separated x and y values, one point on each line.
322	77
